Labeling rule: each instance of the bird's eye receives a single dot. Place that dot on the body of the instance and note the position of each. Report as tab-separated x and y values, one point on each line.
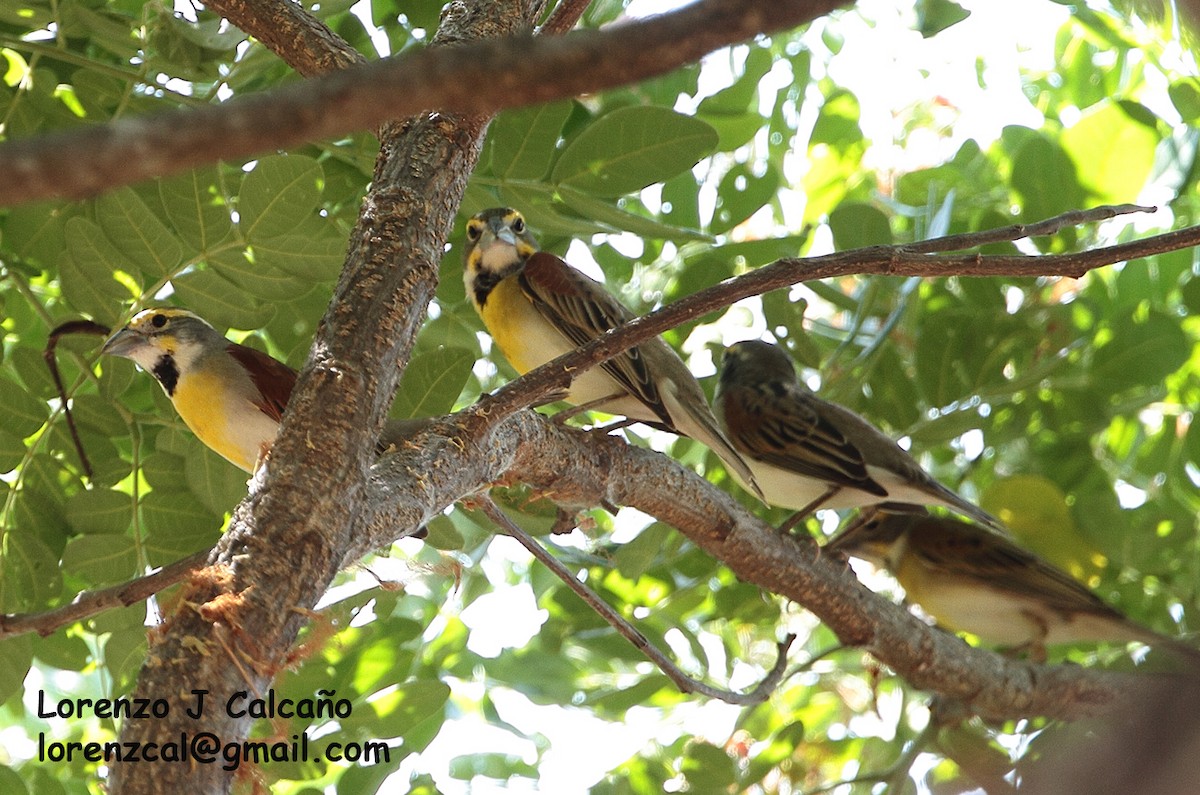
518	225
473	230
158	321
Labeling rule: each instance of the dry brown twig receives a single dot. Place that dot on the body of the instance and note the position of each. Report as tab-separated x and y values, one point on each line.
686	684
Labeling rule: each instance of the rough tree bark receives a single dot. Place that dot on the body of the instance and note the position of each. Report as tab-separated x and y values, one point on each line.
285	543
242	612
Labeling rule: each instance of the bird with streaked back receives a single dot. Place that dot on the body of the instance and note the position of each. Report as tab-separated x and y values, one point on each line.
970	579
807	453
537	307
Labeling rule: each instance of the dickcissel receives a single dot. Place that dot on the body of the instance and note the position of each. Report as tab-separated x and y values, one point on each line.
231	396
971	579
807	453
537	307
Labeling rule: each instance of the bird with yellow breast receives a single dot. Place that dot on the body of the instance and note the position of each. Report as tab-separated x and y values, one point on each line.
536	307
230	395
970	579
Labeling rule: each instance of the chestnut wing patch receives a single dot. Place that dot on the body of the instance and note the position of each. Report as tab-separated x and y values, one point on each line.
273	378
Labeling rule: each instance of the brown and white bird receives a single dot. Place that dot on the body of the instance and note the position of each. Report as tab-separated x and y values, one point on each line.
537	307
973	580
807	453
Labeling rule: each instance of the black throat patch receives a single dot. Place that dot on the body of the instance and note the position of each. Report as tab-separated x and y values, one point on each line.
484	284
167	373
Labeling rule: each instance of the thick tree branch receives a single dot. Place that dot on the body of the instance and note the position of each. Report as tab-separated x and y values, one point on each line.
480	78
304	42
287	539
457	456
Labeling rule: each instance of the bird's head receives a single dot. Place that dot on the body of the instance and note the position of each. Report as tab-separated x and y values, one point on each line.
875	536
498	243
754	362
159	335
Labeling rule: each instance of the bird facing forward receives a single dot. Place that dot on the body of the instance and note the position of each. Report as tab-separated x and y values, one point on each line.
536	307
807	453
973	580
231	396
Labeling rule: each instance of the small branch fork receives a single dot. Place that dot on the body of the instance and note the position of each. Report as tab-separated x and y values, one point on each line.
532	387
685	683
917	259
89	603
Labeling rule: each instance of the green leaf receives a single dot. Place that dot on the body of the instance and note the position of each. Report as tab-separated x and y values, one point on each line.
1113	147
278	195
315	253
837	124
16	655
217	483
632	147
99	511
124	656
221	302
36	231
86	276
741	194
635	557
22	413
29	575
101	559
523	141
12	452
195	208
1185	96
1036	510
259	279
604	212
174	512
138	233
433	381
1045	177
934	16
1140	353
400	710
855	225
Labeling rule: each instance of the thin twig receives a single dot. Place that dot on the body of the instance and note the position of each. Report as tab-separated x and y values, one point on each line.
1006	234
684	682
89	603
70	327
539	383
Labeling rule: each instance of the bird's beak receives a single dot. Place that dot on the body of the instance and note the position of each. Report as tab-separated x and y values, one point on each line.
123	343
505	235
497	235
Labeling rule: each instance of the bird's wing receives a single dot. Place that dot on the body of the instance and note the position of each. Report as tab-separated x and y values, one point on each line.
273	378
582	310
778	425
1004	566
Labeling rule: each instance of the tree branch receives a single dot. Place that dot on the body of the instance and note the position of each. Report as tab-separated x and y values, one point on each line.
476	79
287	539
456	456
304	42
89	603
685	683
541	382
